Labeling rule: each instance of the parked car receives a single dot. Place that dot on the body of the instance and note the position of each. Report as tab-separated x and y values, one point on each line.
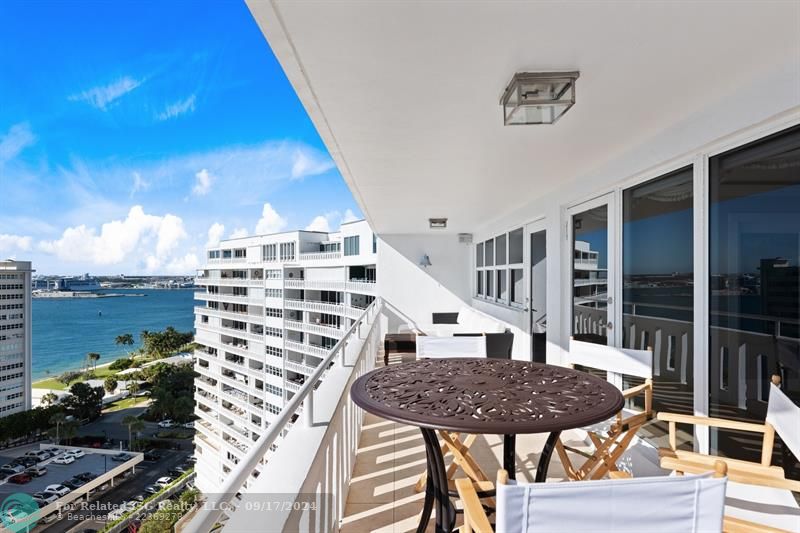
71	484
138	498
41	455
58	490
53	451
189	425
174	472
14	468
64	460
76	453
36	471
152	489
20	479
190	460
166	423
121	457
86	476
164	481
46	497
152	455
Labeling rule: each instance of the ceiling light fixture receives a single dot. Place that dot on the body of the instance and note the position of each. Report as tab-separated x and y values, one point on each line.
438	223
538	97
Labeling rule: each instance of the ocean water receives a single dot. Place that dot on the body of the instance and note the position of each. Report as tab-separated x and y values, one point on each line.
65	330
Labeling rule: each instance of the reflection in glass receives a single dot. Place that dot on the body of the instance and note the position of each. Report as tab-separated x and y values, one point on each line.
590	275
754	292
658	284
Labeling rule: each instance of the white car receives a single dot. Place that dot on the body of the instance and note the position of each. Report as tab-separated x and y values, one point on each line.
76	453
189	425
165	423
164	481
65	459
48	497
58	490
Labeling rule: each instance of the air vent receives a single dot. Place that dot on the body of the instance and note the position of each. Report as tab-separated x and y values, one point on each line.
465	238
438	223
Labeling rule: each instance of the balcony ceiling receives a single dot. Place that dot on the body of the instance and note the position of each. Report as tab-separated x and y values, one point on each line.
405	94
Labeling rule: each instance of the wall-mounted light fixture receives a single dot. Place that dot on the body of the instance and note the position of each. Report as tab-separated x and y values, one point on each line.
538	97
425	262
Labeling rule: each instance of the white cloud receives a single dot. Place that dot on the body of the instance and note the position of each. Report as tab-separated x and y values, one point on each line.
270	221
349	216
202	183
320	223
238	233
308	162
104	95
178	108
14	242
183	265
139	183
18	138
138	235
215	233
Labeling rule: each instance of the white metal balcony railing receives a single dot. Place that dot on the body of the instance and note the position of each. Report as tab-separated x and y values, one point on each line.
230	315
315	306
356	355
320	256
302	368
229	282
311	349
321	285
317	329
363	286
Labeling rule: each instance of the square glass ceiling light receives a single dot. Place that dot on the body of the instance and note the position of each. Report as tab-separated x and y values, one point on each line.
538	97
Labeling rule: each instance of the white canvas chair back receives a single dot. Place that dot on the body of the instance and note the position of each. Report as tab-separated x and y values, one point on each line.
784	416
649	504
431	347
611	359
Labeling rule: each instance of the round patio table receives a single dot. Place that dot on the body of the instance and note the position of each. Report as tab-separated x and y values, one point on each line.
487	396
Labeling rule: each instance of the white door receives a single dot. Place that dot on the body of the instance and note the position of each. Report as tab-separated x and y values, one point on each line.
590	268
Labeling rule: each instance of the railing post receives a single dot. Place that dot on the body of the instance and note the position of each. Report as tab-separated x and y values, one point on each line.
308	408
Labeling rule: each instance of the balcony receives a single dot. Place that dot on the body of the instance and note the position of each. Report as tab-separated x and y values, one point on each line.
318	257
311	349
318	329
229	282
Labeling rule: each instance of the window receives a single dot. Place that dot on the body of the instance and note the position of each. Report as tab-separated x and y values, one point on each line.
351	245
240	253
287	251
374	244
657	282
271	311
273	332
272	274
754	281
271	350
273	293
270	252
499	273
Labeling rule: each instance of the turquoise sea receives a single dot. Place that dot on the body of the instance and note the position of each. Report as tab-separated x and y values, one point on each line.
64	330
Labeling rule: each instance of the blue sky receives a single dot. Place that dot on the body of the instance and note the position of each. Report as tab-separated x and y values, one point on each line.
133	134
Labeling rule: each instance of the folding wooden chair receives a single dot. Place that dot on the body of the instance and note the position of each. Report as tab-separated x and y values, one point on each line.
624	505
783	418
611	438
431	347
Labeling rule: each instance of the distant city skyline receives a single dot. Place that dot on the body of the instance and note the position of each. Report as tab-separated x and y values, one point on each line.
154	131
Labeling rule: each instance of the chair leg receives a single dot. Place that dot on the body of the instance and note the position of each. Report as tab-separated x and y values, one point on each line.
565	461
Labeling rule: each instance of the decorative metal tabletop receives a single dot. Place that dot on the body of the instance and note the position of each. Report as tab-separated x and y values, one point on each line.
494	396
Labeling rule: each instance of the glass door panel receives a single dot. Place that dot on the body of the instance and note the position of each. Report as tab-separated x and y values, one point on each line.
538	296
754	285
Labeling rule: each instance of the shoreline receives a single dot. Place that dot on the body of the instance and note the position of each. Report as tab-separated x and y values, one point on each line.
54	376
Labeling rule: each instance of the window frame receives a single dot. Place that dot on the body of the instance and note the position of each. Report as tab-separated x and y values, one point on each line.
488	288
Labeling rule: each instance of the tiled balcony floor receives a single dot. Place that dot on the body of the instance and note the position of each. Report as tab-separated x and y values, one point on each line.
390	459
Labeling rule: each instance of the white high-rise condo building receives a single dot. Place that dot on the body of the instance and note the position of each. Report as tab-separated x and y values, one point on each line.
271	308
15	336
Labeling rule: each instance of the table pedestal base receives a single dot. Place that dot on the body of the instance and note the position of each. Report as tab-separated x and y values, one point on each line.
437	491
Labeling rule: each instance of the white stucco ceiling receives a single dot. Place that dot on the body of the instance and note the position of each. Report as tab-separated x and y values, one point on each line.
405	94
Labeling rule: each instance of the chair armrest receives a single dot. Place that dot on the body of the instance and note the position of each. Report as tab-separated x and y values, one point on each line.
635	391
444	318
712	422
475	518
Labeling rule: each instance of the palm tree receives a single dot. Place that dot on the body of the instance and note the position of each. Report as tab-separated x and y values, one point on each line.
49	399
93	357
134	424
133	388
57	420
126	339
70	429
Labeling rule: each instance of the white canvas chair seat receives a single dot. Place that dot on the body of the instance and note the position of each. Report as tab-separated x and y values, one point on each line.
766	506
690	504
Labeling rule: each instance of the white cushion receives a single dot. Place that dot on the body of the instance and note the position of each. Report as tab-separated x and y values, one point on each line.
447	347
784	416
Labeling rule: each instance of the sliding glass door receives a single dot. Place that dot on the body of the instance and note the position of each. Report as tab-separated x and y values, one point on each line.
754	282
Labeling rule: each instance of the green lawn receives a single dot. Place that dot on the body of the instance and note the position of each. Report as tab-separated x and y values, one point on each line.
125	403
102	372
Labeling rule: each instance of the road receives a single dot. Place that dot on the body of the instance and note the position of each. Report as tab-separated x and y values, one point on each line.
146	474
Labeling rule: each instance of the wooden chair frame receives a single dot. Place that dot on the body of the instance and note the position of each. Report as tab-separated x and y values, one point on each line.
477	521
459	450
609	448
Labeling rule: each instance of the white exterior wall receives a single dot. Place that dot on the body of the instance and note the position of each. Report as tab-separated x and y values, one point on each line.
288	353
15	336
